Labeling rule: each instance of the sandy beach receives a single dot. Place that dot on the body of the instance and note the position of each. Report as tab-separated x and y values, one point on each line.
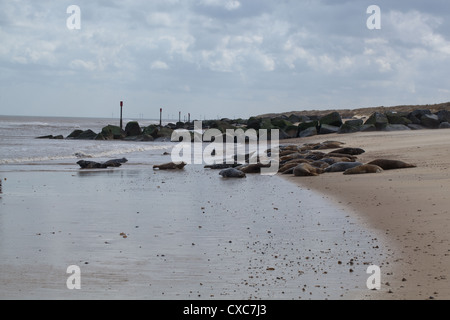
409	206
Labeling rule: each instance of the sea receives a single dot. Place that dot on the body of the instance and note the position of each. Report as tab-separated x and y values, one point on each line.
19	145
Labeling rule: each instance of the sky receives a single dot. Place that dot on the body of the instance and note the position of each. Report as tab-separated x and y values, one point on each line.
220	58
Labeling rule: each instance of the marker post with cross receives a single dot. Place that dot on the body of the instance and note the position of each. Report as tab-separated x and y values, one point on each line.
121	106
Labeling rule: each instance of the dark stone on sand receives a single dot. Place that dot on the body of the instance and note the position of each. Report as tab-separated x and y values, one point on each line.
308	132
443	115
180	125
295	119
346	128
291	131
282	135
267	124
355	122
414	126
368	128
158	133
172	126
398	118
133	129
419	113
328	129
444	125
413	119
164	133
141	138
147	138
223	125
87	135
131	138
151	130
100	137
396	127
45	137
58	137
280	123
332	119
309	124
75	134
254	123
379	120
111	132
430	121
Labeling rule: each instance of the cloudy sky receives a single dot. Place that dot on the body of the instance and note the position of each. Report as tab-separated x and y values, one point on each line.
220	58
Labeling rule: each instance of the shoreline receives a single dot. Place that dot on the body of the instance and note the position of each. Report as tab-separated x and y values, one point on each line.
189	235
399	224
409	206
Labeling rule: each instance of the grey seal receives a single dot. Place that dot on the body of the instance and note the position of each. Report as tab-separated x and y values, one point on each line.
342	166
306	170
170	166
365	168
391	164
232	173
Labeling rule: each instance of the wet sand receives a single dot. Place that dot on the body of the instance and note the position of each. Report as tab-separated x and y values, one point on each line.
136	233
409	206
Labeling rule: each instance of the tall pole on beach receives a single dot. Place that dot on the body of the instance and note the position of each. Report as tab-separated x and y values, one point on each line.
121	105
179	116
160	117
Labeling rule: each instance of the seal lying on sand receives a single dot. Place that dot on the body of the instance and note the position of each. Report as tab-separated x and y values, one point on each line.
350	151
320	164
90	164
290	166
330	161
170	166
297	161
97	165
391	164
322	146
342	166
291	156
232	173
252	168
365	168
221	166
341	155
315	155
115	162
306	170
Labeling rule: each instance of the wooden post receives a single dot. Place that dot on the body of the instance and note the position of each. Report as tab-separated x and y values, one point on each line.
179	116
160	117
121	105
